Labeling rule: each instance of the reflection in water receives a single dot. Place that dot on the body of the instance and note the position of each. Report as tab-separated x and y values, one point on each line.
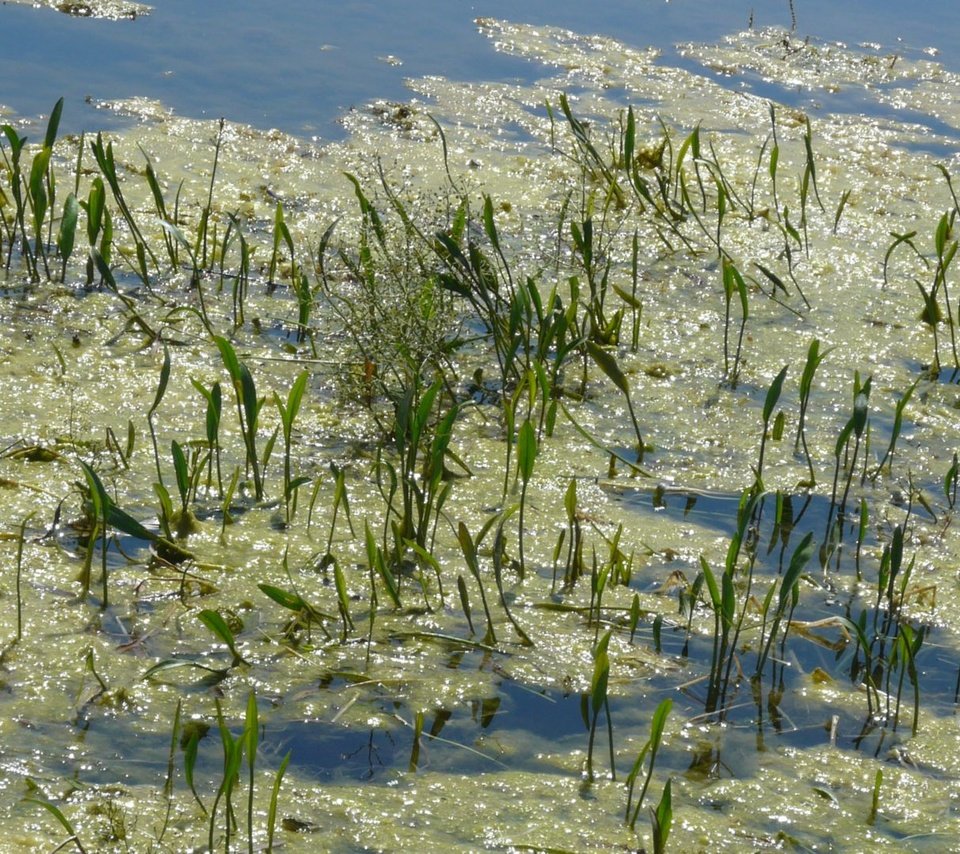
855	623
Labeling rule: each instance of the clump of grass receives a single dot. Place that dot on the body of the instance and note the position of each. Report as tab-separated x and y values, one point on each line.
36	192
574	565
99	226
214	411
854	429
240	279
413	357
728	618
421	445
108	168
17	230
787	599
393	306
234	749
248	407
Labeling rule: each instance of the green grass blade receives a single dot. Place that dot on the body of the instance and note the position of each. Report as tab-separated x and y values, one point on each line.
801	555
54	810
773	394
274	797
66	236
53	124
526	450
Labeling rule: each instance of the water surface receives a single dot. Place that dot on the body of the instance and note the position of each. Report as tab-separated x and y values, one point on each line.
299	65
796	755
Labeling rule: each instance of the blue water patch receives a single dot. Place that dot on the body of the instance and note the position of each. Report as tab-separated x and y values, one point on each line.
299	66
460	738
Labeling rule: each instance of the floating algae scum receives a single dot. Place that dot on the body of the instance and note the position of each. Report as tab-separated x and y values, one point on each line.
557	467
115	10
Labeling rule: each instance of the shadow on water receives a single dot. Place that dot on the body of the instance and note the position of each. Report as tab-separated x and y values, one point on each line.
856	654
852	660
846	666
474	736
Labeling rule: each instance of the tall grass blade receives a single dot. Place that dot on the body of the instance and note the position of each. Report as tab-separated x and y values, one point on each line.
55	811
274	797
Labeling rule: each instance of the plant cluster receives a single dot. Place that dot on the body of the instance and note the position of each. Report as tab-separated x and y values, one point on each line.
444	324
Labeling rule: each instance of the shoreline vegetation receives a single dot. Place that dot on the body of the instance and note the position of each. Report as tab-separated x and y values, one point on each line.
557	467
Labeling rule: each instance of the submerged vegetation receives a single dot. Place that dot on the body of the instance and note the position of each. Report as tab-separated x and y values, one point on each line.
606	422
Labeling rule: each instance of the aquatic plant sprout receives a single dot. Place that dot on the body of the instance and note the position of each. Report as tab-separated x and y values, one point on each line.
441	332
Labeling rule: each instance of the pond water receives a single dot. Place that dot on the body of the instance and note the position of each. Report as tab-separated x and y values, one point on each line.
300	66
785	577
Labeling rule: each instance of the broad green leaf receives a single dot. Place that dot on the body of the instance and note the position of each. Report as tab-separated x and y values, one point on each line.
98	494
489	225
213	621
664	818
801	556
54	810
469	550
285	598
162	385
598	684
294	398
773	394
229	356
526	450
775	280
628	298
711	580
180	469
423	411
176	663
727	600
659	721
376	562
570	500
629	139
66	236
94	208
609	366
